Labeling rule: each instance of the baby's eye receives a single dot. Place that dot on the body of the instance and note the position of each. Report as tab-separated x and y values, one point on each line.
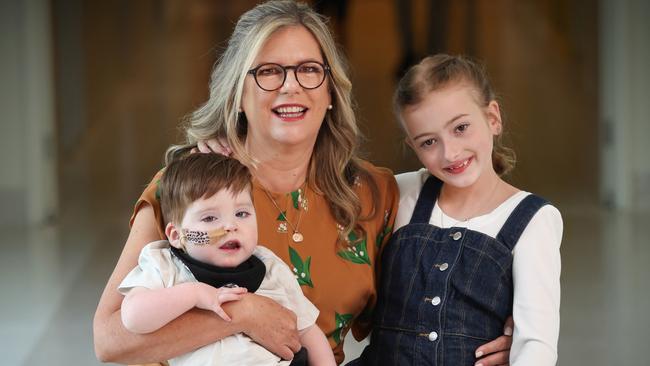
209	218
242	214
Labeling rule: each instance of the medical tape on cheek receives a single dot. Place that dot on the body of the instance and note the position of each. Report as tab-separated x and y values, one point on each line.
199	238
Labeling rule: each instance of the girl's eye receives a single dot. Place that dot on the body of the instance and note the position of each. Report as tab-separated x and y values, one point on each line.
427	142
209	219
242	214
462	127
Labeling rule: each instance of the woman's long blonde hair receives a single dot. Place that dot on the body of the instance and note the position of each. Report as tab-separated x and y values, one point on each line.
335	152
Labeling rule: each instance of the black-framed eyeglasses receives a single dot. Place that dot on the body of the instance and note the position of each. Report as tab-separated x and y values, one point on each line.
271	76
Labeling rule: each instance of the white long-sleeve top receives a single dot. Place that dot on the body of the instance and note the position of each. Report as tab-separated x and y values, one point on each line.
535	270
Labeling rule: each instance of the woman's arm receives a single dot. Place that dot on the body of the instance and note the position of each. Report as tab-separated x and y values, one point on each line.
496	352
260	318
319	351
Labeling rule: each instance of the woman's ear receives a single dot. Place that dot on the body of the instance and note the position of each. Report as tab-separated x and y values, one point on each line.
493	114
174	236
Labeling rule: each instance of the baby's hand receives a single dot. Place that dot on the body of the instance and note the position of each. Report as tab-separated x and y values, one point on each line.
210	298
217	145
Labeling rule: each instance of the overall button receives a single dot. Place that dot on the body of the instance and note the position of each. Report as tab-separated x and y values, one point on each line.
457	235
435	301
442	267
433	336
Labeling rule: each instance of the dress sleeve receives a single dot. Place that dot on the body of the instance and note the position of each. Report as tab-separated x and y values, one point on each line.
536	275
385	221
150	196
306	312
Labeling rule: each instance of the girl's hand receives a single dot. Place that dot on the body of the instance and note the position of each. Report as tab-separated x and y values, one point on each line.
496	352
216	145
210	298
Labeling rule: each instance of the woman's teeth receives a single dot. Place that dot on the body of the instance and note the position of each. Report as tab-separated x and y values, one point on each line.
290	112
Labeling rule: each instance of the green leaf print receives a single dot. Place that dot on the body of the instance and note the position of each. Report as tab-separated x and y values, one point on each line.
356	252
342	322
295	197
382	235
158	190
282	216
300	268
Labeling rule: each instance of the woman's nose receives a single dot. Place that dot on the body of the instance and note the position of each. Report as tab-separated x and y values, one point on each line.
290	83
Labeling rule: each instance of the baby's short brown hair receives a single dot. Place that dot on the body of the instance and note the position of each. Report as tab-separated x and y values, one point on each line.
197	176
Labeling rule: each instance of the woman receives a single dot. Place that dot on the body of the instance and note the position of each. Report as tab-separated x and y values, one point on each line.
281	98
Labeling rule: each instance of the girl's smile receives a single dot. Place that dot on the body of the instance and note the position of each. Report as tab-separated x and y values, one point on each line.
458	167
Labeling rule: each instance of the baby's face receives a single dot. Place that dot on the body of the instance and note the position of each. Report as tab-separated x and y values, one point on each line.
235	215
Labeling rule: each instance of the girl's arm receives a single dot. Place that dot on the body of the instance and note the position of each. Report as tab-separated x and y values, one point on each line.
146	310
536	275
260	318
319	352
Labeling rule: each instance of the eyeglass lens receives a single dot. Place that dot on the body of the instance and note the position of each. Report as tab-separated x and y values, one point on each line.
310	75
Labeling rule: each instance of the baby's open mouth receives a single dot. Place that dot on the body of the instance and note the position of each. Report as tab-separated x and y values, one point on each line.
229	245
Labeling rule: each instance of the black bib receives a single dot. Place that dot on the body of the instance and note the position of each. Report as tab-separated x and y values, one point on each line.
249	274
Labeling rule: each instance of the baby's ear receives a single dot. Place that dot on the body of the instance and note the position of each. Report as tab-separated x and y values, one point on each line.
173	235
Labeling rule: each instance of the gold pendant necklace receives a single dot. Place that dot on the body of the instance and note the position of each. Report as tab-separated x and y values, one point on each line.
297	236
475	213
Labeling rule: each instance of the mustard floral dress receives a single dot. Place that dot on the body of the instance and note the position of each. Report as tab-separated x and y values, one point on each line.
339	278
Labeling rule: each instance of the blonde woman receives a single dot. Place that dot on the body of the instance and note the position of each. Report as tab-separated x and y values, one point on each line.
281	98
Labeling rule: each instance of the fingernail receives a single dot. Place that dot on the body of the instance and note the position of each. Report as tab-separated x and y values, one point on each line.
507	331
479	364
478	355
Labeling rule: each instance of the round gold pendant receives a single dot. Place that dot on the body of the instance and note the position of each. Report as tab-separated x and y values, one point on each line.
297	237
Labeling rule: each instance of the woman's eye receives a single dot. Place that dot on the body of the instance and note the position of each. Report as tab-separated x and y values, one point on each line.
209	219
309	69
268	71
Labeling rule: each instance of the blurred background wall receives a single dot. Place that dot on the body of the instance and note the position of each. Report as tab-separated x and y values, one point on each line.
92	92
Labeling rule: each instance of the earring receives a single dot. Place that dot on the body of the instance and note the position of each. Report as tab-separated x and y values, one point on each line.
329	107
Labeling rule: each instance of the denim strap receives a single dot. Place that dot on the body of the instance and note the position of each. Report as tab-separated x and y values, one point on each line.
426	201
519	219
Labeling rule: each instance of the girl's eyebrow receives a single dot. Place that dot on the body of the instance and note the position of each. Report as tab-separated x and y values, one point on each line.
455	118
446	124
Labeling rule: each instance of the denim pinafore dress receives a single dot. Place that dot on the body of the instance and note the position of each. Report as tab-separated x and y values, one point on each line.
443	292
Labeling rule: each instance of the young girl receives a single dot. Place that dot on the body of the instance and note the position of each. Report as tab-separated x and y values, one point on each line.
469	249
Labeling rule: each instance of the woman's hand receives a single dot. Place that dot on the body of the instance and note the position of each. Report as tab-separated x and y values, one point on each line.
268	323
496	352
215	145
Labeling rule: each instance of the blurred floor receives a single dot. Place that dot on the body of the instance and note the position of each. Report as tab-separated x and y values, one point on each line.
51	277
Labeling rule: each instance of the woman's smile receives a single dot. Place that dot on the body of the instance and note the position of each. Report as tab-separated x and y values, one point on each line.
290	112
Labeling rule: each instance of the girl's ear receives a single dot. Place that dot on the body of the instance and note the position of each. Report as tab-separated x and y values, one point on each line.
494	118
409	142
173	235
